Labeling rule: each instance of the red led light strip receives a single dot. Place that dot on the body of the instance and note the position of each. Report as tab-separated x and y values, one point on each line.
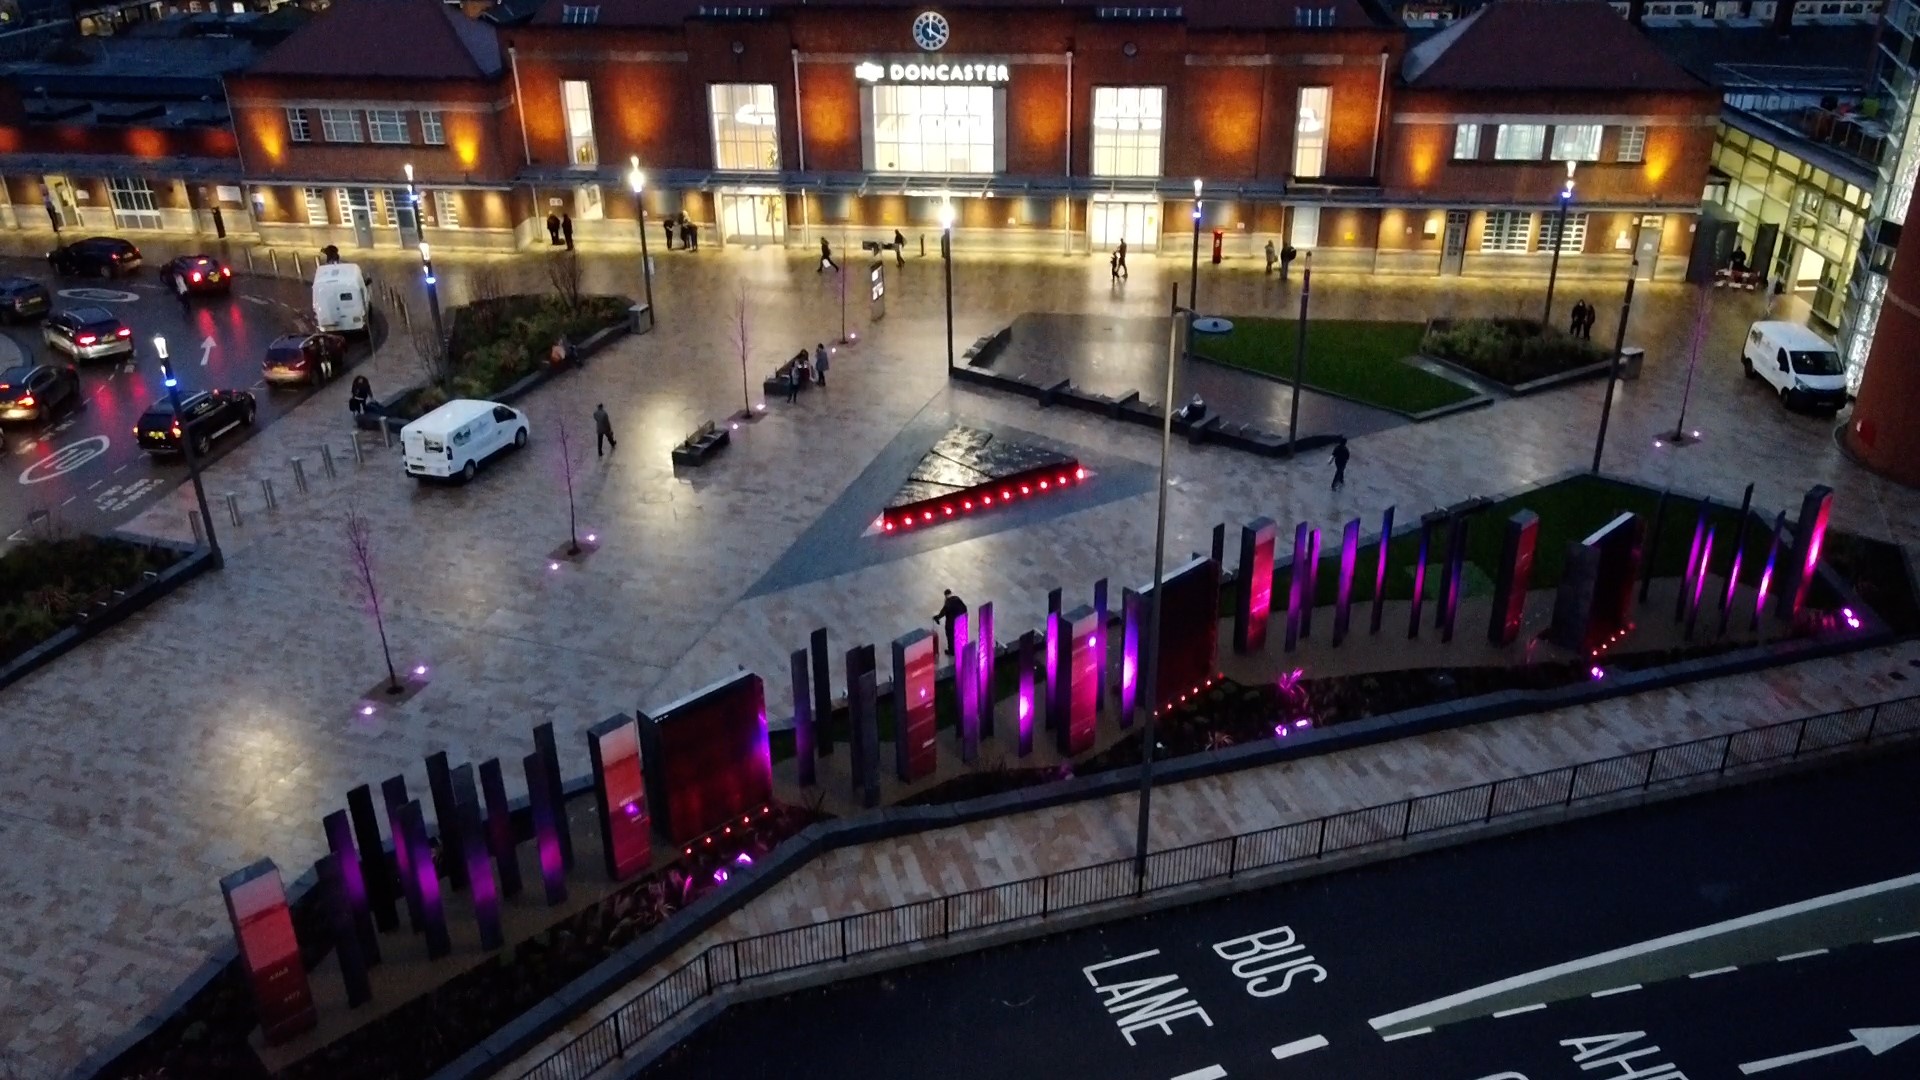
1022	486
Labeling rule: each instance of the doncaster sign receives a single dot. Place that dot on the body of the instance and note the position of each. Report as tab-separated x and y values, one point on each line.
871	72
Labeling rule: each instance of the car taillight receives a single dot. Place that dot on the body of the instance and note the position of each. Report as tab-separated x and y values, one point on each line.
124	332
197	275
88	339
176	431
27	400
224	272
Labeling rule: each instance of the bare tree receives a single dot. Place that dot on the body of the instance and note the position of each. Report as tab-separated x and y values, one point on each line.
488	285
360	542
431	352
563	273
569	461
740	338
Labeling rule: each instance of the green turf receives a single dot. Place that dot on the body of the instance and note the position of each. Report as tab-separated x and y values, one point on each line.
1359	360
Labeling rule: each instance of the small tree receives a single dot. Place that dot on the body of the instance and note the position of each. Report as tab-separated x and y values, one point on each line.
563	273
360	543
740	338
431	352
569	461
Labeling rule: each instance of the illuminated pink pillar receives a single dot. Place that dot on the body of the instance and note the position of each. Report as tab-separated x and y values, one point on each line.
1056	647
1100	642
1025	717
1809	533
1693	563
546	838
1296	585
966	688
1130	655
1343	595
1310	588
1253	586
1380	572
1699	583
1766	572
1427	523
426	880
984	674
393	791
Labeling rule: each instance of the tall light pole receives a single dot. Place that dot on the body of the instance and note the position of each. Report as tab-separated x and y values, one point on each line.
1559	238
1299	354
638	180
1193	281
433	295
172	384
1151	680
946	258
1613	369
413	203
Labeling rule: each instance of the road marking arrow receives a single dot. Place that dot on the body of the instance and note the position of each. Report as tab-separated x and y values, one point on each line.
1875	1041
206	349
1300	1046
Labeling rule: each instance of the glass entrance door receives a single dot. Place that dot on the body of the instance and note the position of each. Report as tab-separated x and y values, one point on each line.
753	219
1109	221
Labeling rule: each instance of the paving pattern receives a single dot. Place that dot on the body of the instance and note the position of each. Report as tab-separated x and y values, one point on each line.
218	727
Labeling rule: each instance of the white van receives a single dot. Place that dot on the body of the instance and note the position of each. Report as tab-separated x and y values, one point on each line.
456	438
340	298
1801	366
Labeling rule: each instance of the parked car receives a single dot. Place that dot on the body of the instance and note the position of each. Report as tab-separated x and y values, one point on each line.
23	298
35	392
1800	365
88	333
458	437
96	256
193	275
205	415
304	358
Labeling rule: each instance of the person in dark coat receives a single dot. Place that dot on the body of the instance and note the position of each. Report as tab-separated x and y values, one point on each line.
602	431
1339	459
666	226
950	609
820	363
826	256
693	236
796	375
553	229
1577	318
1122	251
1587	316
899	249
566	230
361	393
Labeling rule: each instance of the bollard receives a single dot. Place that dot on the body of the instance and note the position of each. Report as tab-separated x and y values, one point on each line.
199	530
266	490
326	461
273	263
296	267
359	452
299	474
386	432
248	252
233	509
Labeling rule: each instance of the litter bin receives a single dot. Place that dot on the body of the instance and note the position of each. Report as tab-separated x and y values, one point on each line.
639	319
1630	360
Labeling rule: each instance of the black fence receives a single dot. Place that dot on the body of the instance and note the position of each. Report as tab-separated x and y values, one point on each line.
732	962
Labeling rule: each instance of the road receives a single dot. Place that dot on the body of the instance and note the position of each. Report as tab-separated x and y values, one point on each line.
83	469
1769	931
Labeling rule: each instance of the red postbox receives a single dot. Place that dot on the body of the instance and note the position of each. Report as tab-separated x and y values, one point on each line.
1219	238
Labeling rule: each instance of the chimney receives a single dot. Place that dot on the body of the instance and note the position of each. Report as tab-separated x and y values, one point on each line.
1783	17
1636	11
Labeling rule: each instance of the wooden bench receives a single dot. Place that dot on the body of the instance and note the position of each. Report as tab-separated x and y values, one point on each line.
705	441
776	383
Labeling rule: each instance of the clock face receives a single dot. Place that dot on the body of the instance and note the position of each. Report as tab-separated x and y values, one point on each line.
930	31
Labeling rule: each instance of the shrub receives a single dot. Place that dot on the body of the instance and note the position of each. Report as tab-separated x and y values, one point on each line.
1510	351
498	341
45	583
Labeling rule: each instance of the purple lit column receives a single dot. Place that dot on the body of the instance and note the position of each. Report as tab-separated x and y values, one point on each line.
440	788
500	839
1809	533
1253	586
1693	563
966	689
393	790
1056	705
989	657
1456	568
426	880
1129	656
1380	572
353	884
1766	574
1026	703
1427	522
480	883
330	870
549	750
1343	594
374	868
1309	589
1739	553
546	838
1296	584
1699	583
1100	643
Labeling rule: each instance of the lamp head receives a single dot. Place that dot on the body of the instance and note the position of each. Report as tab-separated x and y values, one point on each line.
425	253
635	177
160	346
409	168
1196	187
946	215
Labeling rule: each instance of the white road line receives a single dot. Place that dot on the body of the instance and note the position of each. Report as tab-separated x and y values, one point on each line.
1406	1034
1535	1007
1802	955
1711	971
1211	1072
69	499
1896	937
1644	948
121	469
1628	989
1300	1046
95	484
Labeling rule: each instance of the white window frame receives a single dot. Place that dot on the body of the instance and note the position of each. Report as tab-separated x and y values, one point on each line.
134	205
1573	242
446	210
388	126
1633	144
340	125
744	120
396	197
1519	142
1303	232
356	198
927	130
1466	142
1506	232
576	107
299	128
1576	142
1129	130
1312	116
316	200
433	131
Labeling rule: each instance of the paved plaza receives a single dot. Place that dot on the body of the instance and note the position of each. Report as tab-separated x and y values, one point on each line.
219	726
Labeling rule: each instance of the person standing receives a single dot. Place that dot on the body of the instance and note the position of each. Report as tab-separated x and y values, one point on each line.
693	235
820	363
553	228
796	374
951	608
358	397
1588	313
1272	258
566	230
666	226
1113	267
1577	318
1121	252
826	256
602	432
899	249
1339	459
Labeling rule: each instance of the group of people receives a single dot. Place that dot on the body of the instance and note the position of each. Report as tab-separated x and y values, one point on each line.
689	232
800	372
1583	316
1117	262
560	229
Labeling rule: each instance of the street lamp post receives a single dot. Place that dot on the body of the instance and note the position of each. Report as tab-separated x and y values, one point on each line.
1559	237
1150	681
186	445
946	258
1613	369
1299	354
433	295
1193	280
639	182
413	202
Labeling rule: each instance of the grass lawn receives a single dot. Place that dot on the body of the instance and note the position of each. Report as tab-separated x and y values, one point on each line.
1359	360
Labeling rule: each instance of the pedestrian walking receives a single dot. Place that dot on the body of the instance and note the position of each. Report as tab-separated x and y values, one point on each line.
1122	253
951	608
180	292
1590	314
602	432
686	234
566	229
899	249
1273	257
1577	318
1113	267
553	228
826	256
358	397
666	226
820	363
1339	459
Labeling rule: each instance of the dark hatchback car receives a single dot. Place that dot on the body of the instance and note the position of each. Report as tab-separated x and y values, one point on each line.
197	275
23	298
88	333
96	256
33	392
304	358
205	415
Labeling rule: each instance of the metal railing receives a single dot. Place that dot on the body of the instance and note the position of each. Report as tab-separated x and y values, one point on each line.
745	959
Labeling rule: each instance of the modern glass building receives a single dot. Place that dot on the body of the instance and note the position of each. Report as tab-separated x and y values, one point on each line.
1894	88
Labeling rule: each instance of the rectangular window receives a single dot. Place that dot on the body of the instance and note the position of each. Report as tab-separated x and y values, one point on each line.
1633	144
1574	242
133	204
1466	142
1576	142
746	131
351	199
1519	142
1305	234
933	130
1128	124
1310	131
446	209
578	102
316	206
1506	230
390	208
431	131
387	126
340	125
298	130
